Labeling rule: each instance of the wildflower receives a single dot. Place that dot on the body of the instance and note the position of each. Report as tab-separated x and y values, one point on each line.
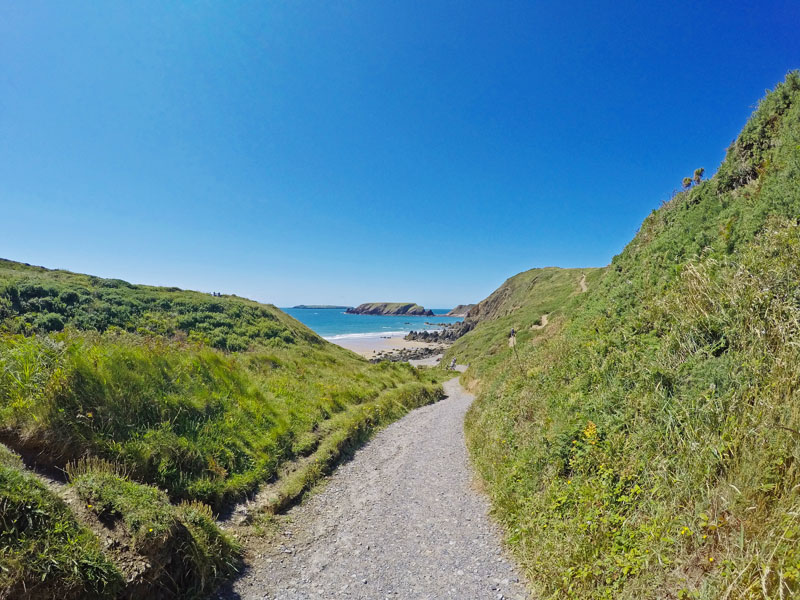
88	506
590	433
569	481
150	530
89	415
710	559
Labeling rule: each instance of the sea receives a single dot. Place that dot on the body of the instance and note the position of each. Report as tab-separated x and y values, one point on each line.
335	324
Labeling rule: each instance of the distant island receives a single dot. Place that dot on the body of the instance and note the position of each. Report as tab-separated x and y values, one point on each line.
460	311
318	306
390	308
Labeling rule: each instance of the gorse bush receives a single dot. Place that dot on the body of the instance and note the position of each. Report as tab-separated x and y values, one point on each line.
649	448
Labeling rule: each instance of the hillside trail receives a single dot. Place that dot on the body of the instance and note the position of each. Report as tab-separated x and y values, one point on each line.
402	520
543	324
582	283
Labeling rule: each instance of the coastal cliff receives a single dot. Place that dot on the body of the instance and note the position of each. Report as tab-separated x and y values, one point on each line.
460	311
390	308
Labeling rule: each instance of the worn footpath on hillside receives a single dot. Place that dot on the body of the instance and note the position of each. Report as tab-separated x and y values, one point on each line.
401	520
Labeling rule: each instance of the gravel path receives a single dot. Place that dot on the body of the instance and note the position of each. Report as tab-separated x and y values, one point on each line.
401	520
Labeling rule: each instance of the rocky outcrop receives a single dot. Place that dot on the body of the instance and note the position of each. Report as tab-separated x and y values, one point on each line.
390	308
406	354
461	310
449	334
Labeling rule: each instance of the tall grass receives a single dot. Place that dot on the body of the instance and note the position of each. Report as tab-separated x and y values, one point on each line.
186	552
195	401
648	446
196	422
44	551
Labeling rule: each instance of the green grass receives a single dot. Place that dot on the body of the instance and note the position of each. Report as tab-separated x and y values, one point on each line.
197	400
186	549
520	304
646	444
345	432
34	299
44	551
201	424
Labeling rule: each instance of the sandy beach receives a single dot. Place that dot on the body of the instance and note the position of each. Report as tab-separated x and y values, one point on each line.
368	347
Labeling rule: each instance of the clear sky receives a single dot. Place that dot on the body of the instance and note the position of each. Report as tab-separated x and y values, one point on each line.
354	151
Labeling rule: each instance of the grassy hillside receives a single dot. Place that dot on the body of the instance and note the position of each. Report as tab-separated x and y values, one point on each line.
647	444
189	397
520	303
38	300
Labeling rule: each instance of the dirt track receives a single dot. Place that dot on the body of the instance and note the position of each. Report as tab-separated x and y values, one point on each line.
402	520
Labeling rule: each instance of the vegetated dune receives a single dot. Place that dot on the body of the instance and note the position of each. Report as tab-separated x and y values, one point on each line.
180	400
645	443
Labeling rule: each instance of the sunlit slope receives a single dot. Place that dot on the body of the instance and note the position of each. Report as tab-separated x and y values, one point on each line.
523	303
35	299
646	443
160	403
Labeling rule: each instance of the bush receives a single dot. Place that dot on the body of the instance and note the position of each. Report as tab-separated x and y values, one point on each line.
47	322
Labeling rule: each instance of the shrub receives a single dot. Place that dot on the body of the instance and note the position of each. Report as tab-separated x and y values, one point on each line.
49	322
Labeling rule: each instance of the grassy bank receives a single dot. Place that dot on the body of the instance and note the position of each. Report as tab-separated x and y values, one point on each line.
522	303
199	423
180	401
646	443
44	551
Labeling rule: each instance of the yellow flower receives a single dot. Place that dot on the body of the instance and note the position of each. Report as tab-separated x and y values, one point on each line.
151	530
710	559
590	433
88	506
569	481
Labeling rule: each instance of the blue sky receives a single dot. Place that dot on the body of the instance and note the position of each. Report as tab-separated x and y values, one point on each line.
358	151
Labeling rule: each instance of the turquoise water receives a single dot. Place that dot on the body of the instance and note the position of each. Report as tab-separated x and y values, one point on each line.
334	323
